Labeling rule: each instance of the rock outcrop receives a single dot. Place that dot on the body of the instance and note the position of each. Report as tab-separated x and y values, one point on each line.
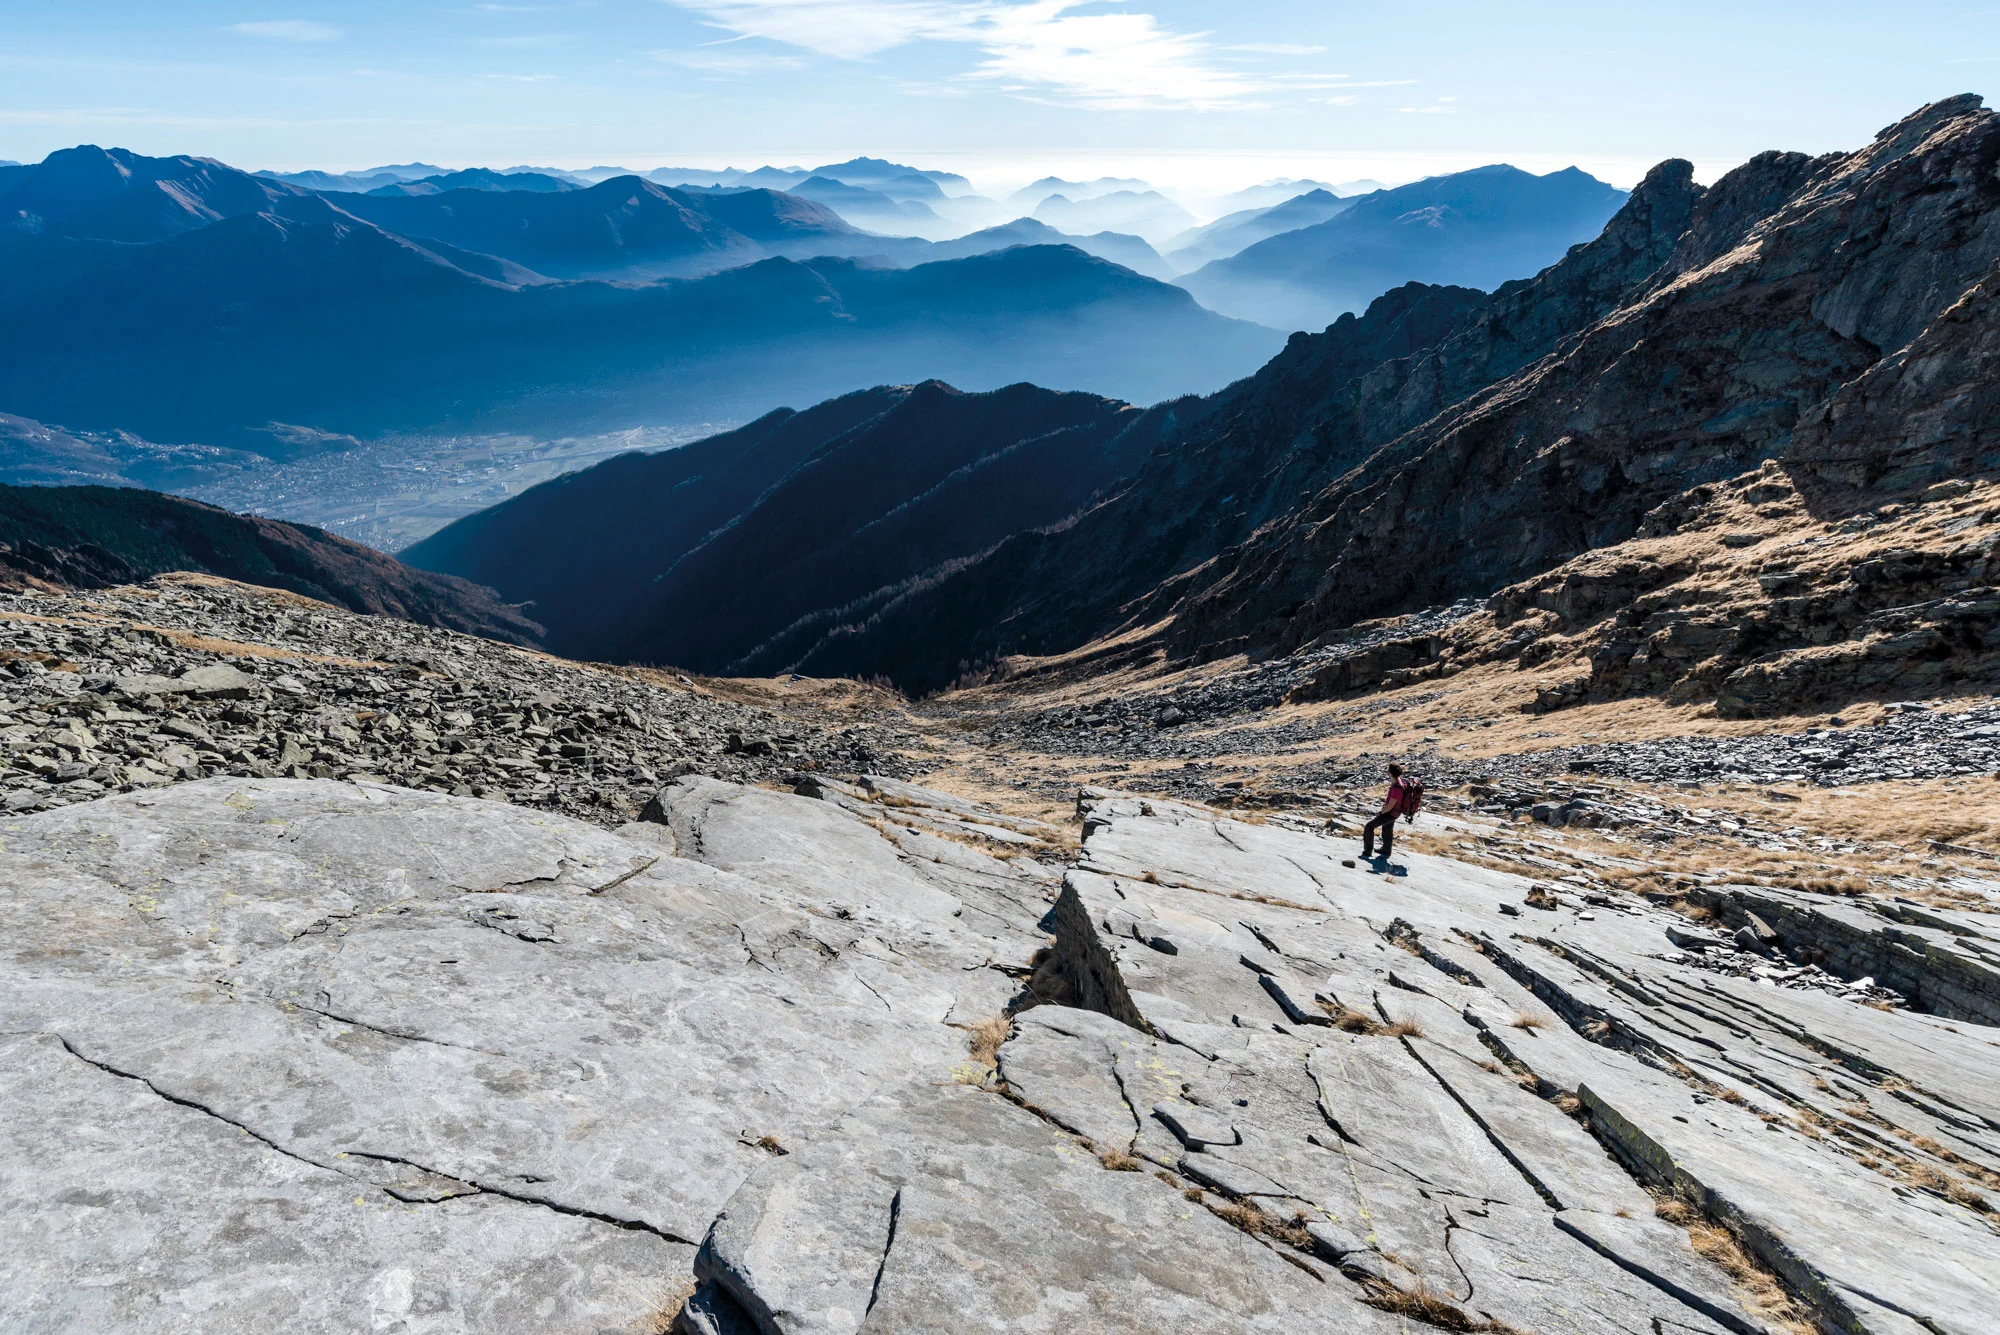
328	1055
1700	375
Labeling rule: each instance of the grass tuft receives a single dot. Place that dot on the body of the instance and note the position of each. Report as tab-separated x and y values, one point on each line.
1721	1246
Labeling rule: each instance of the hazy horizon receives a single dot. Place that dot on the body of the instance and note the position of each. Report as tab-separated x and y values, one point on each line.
1184	95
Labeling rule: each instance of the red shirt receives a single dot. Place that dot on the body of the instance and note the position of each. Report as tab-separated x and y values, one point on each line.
1393	801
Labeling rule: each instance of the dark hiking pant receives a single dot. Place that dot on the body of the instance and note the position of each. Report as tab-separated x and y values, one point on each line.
1386	823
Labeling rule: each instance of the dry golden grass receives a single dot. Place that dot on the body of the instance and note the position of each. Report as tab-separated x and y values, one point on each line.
1423	1303
1527	1020
1249	1217
1120	1161
1759	1288
984	1040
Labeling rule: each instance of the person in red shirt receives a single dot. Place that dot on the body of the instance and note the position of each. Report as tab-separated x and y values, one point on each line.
1397	803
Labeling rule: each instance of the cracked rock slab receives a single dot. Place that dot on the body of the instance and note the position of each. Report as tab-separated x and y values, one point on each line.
936	1200
414	1020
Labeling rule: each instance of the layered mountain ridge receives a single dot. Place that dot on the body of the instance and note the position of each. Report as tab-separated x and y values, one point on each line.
725	555
1822	315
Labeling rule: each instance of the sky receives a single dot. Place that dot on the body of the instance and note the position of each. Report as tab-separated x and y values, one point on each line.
1193	96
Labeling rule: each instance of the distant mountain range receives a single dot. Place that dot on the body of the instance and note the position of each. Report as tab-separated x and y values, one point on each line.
620	228
723	555
1268	193
1119	248
183	300
221	317
476	178
1808	335
1238	231
886	178
1475	228
1146	213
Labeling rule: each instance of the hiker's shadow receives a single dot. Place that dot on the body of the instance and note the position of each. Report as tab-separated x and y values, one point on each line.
1387	868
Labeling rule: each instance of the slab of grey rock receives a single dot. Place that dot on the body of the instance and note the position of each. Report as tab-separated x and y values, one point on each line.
124	1210
1660	1050
1527	1274
1195	1127
1661	1254
1000	1223
454	1007
218	681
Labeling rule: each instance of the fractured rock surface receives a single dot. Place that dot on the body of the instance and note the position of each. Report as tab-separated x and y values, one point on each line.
1481	1103
321	1055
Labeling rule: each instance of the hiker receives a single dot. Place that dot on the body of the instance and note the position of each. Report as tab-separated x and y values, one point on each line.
1403	799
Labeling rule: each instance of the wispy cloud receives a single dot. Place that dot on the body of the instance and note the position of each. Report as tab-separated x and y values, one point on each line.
1274	49
730	63
1442	107
289	30
1040	49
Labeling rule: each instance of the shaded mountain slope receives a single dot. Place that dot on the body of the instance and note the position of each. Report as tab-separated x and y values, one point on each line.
700	556
93	537
1318	410
1701	374
117	195
341	326
940	475
1476	228
580	547
623	227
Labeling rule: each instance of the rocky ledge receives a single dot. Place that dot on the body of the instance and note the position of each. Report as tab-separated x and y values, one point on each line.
334	1055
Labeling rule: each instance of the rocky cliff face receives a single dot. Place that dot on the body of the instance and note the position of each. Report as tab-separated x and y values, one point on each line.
1700	377
1829	313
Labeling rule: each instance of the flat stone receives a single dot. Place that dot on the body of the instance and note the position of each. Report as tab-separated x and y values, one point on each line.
217	681
1196	1128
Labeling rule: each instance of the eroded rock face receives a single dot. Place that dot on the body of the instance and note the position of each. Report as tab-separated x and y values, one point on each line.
335	1056
314	1055
1491	1107
1702	371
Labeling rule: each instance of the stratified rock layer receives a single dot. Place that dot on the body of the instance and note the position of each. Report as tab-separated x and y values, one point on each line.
315	1055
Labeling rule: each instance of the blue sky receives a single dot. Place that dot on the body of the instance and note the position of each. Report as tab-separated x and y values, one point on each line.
1188	94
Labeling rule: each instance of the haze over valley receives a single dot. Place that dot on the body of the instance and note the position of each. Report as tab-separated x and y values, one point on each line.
307	335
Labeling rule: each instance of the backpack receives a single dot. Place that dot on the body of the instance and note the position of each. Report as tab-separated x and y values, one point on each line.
1412	798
